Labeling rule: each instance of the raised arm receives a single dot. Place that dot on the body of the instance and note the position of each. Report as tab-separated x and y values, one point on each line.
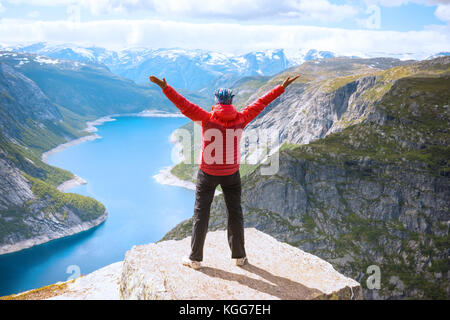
251	111
189	109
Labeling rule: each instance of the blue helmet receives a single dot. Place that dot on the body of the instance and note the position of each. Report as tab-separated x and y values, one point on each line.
224	96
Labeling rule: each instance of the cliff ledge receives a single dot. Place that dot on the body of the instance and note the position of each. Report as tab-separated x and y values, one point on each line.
276	271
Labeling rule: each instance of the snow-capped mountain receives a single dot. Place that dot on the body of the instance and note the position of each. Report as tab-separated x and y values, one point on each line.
191	69
187	69
92	55
196	69
302	55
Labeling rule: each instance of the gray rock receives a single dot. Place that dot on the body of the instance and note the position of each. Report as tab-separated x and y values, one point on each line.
275	271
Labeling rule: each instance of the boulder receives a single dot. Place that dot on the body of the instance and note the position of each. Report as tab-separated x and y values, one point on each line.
276	270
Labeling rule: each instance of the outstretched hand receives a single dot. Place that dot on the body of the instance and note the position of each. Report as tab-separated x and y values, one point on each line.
161	83
288	81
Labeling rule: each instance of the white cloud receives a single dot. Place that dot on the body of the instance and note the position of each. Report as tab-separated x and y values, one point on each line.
224	37
443	12
321	10
43	3
397	3
392	3
2	8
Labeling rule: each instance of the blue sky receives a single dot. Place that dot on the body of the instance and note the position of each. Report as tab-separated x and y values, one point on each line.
344	26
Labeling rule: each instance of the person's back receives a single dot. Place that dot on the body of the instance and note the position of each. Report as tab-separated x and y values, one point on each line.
219	163
221	128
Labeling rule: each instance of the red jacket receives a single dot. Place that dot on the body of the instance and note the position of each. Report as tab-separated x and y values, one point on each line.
221	129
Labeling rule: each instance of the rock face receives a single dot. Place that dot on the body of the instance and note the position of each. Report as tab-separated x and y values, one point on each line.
15	189
275	271
44	228
330	95
305	114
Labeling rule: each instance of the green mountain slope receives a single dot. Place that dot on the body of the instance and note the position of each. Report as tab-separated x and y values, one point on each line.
85	89
28	116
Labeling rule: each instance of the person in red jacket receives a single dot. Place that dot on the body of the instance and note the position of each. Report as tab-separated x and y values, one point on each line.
219	163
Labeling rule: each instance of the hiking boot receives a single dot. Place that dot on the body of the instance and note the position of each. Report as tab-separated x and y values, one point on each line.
190	263
241	261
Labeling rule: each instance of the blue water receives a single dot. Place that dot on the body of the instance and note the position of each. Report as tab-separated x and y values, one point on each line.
119	169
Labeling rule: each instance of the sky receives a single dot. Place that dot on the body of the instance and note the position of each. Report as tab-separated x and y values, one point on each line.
347	27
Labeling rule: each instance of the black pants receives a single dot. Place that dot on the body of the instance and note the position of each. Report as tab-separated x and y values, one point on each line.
206	186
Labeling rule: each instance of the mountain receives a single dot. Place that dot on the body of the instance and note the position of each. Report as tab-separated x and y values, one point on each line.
90	55
27	114
83	88
330	95
363	165
192	69
196	69
300	56
183	68
363	172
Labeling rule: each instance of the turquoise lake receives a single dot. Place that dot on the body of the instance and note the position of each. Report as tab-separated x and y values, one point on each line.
119	169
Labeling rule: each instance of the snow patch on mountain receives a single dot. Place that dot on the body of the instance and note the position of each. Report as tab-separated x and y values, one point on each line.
44	60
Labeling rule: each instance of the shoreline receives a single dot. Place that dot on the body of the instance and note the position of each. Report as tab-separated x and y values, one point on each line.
66	145
69	184
90	128
165	176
